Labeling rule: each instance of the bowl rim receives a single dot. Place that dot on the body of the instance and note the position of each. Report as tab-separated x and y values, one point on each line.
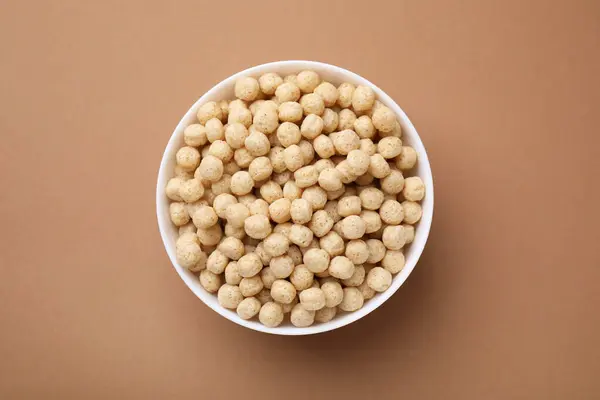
417	246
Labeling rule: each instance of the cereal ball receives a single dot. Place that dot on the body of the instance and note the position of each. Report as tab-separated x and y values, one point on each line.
376	251
336	194
264	296
279	210
306	176
341	267
216	262
320	223
260	169
363	98
391	212
358	161
345	141
332	292
389	147
183	173
379	279
393	237
315	196
290	111
211	168
301	277
287	92
414	189
365	180
270	314
179	214
269	82
412	212
301	211
407	158
291	191
333	244
371	198
312	126
221	150
249	265
271	191
331	208
194	135
330	120
328	93
346	120
330	179
257	144
312	104
235	135
276	244
293	159
366	291
323	146
367	146
210	236
282	178
232	248
277	159
345	94
357	277
384	119
191	190
281	267
363	126
248	308
241	115
353	299
283	291
409	233
288	134
214	130
268	277
266	119
393	183
308	153
257	226
241	183
251	286
357	251
259	206
237	103
308	81
312	299
232	275
188	254
235	231
187	228
246	88
188	158
300	235
393	261
221	186
378	166
301	317
229	296
314	244
209	281
349	205
208	111
222	202
352	227
316	260
295	253
242	157
325	314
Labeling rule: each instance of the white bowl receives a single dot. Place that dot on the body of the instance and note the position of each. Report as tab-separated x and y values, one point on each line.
224	90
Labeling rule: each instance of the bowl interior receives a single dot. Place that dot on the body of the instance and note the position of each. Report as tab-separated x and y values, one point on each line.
225	90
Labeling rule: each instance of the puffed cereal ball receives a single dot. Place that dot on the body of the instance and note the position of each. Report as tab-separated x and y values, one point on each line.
271	191
341	267
242	157
221	150
330	120
357	277
409	233
208	111
300	235
414	189
325	314
188	158
296	254
371	198
288	134
312	299
191	190
290	111
282	266
328	93
346	119
241	183
257	226
349	205
279	210
269	82
187	228
229	296
407	158
283	291
412	212
235	135
307	150
376	251
391	212
301	277
312	126
211	168
264	296
393	237
312	104
363	126
320	223
235	231
179	214
246	88
270	314
301	211
217	261
241	115
259	206
205	217
323	146
384	119
345	93
316	260
306	176
262	254
291	191
194	135
389	147
367	146
378	166
231	247
224	105
276	244
379	279
268	277
209	281
257	144
221	186
292	156
393	183
172	188
331	208
188	254
214	130
366	291
301	317
307	81
232	275
266	119
248	308
333	244
345	141
316	196
352	227
357	251
363	98
353	299
333	293
358	161
260	169
251	286
282	178
210	236
287	91
249	265
393	261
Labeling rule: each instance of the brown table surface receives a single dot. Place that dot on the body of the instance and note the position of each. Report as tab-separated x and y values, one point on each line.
504	302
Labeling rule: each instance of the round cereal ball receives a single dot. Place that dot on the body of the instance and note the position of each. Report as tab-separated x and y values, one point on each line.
412	212
237	103
414	189
330	179
281	267
323	164
269	82
246	88
282	178
276	244
268	277
312	103
349	205
346	175
208	111
325	314
363	126
188	158
301	211
407	158
330	120
367	146
259	206
216	262
352	227
323	146
231	247
341	267
287	91
393	261
290	111
257	226
393	183
376	251
247	199
396	131
210	236
357	277
301	277
333	293
235	135
384	119
292	157
366	291
283	291
316	260
379	279
270	314
209	281
363	98
391	212
312	299
221	150
260	169
306	176
188	228
332	209
357	251
320	223
346	119
234	231
296	254
333	244
409	233
358	161
264	296
291	191
191	190
248	308
353	299
214	130
301	317
300	235
345	141
179	214
221	203
393	237
188	254
371	198
241	115
187	237
328	93
365	180
389	147
312	126
288	134
257	144
229	296
316	196
307	150
378	166
223	185
345	93
249	265
232	274
308	81
211	168
266	119
271	191
195	135
241	183
172	188
279	210
242	157
251	286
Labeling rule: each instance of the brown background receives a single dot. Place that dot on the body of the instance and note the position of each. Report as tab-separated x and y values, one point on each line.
504	303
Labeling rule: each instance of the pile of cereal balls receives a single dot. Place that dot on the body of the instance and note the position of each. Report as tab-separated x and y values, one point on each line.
294	198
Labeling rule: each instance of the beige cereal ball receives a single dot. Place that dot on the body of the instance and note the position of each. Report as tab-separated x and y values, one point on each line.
391	212
357	251
409	233
393	261
316	260
172	188
195	135
290	111
246	88
268	277
216	262
333	293
292	157
266	119
316	196
328	93
279	210
229	296
308	81
301	277
414	189
232	248
301	317
241	115
323	146
210	236
300	235
357	277
257	144
214	130
188	254
407	158
288	134
188	158
187	228
276	244
248	308
260	169
320	223
179	214
412	212
312	104
208	111
271	314
262	254
363	98
277	159
234	231
222	202
393	183
378	166
345	93
314	244
389	147
323	164
241	183
237	103
232	274
211	168
221	150
312	126
330	120
191	190
379	279
281	267
376	251
358	161
264	296
367	146
249	265
223	185
291	191
363	126
283	291
364	180
209	281
287	91
257	226
333	244
352	227
371	198
306	176
235	135
282	178
269	82
384	119
183	173
366	291
293	78
259	206
345	141
312	299
331	208
307	150
296	254
301	211
353	299
251	286
271	191
393	237
325	314
341	267
242	157
346	119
